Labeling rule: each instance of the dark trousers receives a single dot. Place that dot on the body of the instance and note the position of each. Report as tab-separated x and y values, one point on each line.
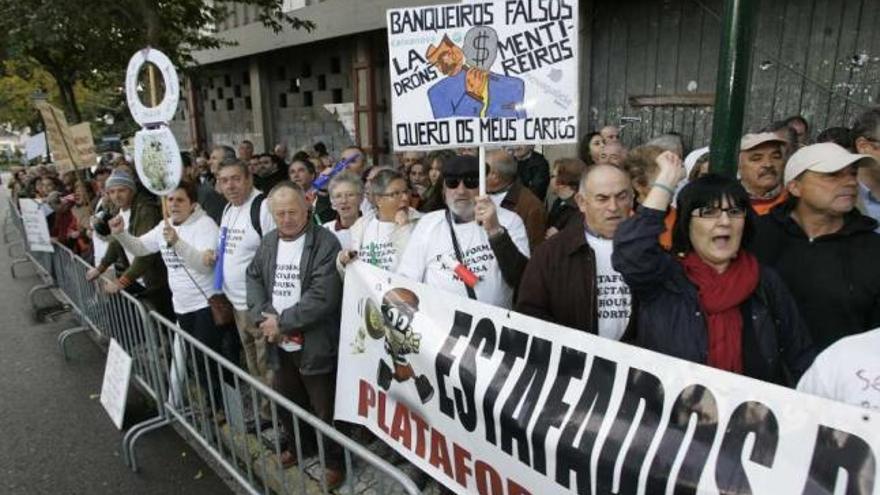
316	394
200	324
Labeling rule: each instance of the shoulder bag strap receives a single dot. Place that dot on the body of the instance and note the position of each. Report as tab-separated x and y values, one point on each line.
470	290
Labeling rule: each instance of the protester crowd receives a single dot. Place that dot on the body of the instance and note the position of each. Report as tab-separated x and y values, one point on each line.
755	275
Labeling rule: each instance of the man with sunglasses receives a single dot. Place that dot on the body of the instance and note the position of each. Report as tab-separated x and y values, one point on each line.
472	248
821	246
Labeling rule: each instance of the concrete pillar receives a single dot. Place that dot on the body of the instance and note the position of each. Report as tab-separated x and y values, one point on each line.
263	126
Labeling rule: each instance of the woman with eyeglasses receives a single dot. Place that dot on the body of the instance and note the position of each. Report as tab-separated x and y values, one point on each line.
381	238
709	301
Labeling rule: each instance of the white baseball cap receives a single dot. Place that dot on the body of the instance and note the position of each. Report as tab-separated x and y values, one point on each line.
750	141
825	158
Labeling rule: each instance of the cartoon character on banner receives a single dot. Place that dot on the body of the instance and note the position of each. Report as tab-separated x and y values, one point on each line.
393	323
470	88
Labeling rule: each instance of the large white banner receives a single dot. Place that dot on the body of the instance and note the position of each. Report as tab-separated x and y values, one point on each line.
493	402
484	72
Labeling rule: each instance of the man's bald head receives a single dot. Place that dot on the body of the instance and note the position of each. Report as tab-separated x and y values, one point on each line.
605	198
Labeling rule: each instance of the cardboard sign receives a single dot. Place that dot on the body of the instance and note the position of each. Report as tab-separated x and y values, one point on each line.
487	400
496	72
84	144
36	229
117	375
61	140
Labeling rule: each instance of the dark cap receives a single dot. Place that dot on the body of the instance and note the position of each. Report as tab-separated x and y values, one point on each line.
461	166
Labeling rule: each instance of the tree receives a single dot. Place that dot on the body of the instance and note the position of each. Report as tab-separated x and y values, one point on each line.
89	42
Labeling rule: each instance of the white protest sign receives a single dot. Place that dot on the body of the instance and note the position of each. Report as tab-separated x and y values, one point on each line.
157	160
114	390
164	111
493	72
156	154
487	400
36	228
36	146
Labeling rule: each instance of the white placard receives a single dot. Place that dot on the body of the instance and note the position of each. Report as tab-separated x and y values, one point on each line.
117	375
493	72
157	160
36	146
36	228
165	110
487	400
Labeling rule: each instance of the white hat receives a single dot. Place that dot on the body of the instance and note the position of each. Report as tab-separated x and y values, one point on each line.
825	158
750	141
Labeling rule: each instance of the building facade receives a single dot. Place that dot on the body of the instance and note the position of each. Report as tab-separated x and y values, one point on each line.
646	65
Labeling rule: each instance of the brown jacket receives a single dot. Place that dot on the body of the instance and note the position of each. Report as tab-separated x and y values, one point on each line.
559	283
530	209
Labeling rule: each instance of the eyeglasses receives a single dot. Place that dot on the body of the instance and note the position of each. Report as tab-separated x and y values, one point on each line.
394	194
715	212
341	196
470	182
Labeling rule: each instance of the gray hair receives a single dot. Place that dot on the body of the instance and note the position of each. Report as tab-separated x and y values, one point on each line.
346	178
383	179
228	151
669	142
502	163
286	186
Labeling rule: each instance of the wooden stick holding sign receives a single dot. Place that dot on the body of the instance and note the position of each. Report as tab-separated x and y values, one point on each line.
482	155
154	101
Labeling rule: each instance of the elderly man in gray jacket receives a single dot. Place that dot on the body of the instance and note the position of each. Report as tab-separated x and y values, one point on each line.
294	294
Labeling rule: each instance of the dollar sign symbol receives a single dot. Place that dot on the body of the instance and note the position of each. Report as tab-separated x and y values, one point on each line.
481	53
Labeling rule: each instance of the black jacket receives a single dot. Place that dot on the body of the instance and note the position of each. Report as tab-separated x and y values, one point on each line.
775	341
534	173
835	278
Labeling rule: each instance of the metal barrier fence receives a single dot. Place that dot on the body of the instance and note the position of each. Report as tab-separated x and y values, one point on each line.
209	396
42	262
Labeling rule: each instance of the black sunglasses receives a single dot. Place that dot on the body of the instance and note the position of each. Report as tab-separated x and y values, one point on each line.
470	181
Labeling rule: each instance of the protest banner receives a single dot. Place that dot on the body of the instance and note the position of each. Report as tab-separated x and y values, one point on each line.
495	72
84	144
36	229
490	401
61	140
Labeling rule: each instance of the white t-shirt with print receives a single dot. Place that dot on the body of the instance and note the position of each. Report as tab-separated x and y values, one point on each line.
344	235
613	298
375	246
287	288
242	242
201	234
847	371
430	242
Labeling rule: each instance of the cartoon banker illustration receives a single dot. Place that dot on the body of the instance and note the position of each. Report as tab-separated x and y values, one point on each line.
470	89
394	324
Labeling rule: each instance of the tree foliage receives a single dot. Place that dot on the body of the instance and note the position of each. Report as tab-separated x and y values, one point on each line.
87	43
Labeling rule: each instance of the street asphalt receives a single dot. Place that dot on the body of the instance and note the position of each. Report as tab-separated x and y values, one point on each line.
55	437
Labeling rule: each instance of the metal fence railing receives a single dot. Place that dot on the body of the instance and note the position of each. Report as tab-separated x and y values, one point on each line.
210	397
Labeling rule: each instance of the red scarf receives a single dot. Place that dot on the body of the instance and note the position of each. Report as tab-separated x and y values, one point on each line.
721	294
